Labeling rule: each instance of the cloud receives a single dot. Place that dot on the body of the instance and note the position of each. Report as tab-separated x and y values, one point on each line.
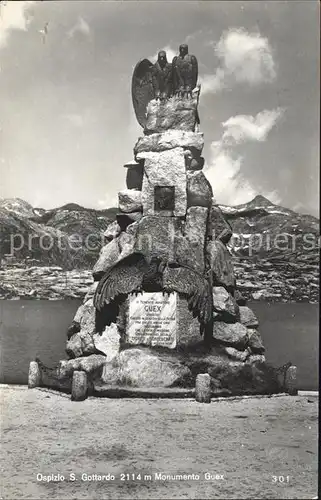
81	27
243	58
224	170
13	17
169	52
252	128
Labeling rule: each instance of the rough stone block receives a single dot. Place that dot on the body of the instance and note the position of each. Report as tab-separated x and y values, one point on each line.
248	318
220	229
79	314
108	342
255	342
194	232
221	264
174	113
199	190
235	354
112	231
232	334
169	140
130	200
164	169
188	328
156	236
240	299
81	343
92	365
224	304
256	358
141	368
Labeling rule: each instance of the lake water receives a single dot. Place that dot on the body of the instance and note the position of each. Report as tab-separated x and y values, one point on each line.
30	328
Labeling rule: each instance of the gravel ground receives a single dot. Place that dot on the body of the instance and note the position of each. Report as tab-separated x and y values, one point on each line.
254	443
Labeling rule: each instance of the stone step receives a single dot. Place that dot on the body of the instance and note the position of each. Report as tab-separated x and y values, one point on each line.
117	392
107	391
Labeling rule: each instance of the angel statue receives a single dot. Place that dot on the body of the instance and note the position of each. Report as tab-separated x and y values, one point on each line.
185	72
151	81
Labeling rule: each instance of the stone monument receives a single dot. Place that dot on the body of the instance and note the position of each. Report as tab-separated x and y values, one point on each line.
164	306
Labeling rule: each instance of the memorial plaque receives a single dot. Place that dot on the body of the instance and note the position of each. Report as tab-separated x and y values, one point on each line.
152	319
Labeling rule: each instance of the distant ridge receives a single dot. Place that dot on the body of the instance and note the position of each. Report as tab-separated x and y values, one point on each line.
263	272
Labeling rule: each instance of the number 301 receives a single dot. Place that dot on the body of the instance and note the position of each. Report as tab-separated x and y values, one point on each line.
280	479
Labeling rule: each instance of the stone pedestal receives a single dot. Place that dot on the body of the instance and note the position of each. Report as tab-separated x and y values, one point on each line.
79	389
34	377
183	274
203	388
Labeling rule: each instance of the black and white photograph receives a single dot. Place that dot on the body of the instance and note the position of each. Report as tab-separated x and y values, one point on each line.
159	249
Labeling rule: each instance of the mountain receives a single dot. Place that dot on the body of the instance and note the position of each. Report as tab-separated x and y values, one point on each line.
52	237
275	250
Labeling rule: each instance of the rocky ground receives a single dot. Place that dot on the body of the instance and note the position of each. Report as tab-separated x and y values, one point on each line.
263	280
51	283
278	281
251	448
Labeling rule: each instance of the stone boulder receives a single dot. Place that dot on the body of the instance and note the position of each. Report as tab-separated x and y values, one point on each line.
220	229
130	200
221	265
141	368
194	232
234	376
108	342
255	342
240	299
246	378
237	355
231	334
112	231
89	364
225	306
199	190
81	343
248	318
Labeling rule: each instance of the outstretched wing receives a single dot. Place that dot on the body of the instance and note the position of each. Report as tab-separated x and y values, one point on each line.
142	89
125	277
195	286
194	71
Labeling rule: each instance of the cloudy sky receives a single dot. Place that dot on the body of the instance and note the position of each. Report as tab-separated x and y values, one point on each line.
67	124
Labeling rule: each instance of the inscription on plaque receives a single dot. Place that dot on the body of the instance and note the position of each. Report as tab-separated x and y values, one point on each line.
152	319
